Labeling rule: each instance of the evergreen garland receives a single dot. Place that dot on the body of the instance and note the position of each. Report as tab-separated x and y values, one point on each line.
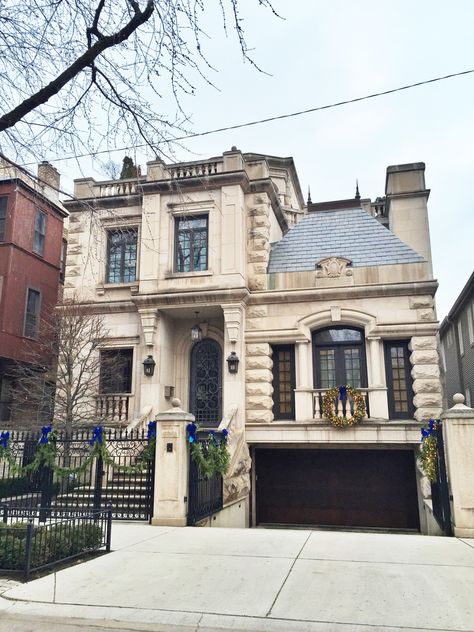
211	455
46	453
428	451
341	392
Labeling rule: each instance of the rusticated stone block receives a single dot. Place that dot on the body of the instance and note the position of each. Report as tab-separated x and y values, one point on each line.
260	267
426	386
259	416
425	400
260	221
260	232
259	362
263	388
425	371
259	402
258	375
420	302
258	256
422	342
259	349
425	315
423	414
424	356
425	487
261	244
258	282
256	311
259	209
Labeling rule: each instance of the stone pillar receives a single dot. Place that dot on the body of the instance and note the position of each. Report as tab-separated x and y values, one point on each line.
425	374
234	384
304	388
458	429
170	505
378	402
259	377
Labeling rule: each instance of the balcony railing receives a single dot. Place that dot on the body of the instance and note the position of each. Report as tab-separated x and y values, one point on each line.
112	408
119	187
342	408
194	169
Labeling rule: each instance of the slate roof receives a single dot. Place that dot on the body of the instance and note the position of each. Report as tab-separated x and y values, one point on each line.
351	233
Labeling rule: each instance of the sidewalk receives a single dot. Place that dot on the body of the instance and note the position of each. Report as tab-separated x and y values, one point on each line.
264	580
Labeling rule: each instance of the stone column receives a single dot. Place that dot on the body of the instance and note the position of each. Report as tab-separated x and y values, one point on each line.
170	505
234	384
458	429
378	402
304	389
425	374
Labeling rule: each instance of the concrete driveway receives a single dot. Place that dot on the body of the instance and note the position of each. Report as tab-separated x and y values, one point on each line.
260	580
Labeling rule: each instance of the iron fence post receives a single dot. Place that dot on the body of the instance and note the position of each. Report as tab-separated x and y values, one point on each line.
99	473
5	513
29	541
109	528
46	482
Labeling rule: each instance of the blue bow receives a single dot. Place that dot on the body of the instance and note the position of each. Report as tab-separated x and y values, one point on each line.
342	392
225	434
151	430
4	439
45	430
97	436
191	429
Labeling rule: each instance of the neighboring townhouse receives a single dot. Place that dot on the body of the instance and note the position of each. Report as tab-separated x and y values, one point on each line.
457	347
31	253
220	286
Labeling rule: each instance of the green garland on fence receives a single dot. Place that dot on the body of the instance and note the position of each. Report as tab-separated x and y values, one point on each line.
428	451
211	455
46	453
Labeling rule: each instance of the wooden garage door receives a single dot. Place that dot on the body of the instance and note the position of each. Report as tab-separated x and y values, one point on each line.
353	488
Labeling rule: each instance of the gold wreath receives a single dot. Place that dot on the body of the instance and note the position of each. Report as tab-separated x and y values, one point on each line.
329	408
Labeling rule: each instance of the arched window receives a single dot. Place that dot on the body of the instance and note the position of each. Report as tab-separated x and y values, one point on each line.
339	357
206	383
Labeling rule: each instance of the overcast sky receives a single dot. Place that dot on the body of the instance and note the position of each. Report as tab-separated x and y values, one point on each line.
324	51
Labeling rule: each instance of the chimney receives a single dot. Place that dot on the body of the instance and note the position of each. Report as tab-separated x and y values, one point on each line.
406	206
48	174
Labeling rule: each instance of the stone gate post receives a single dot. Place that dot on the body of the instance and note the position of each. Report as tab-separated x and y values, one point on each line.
170	505
458	426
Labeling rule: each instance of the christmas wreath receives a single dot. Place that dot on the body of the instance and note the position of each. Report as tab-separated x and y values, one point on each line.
343	393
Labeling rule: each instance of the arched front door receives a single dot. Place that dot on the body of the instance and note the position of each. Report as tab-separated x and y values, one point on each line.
205	395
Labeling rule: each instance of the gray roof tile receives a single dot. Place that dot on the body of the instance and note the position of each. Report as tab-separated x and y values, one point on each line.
350	233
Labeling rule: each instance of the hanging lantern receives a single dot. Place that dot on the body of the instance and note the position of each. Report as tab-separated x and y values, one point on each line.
149	366
233	362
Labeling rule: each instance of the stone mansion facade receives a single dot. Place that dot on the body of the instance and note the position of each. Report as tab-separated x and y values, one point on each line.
196	265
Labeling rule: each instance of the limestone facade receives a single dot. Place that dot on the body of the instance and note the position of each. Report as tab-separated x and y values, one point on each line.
248	203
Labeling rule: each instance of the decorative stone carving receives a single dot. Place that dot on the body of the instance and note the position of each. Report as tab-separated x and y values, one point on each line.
419	302
149	319
333	267
233	317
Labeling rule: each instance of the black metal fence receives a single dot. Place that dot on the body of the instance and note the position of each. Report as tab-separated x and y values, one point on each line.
440	489
205	494
128	488
26	546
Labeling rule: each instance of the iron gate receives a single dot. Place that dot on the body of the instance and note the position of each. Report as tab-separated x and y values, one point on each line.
205	494
440	489
94	486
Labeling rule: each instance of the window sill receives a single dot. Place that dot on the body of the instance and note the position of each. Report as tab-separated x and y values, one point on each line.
105	287
197	273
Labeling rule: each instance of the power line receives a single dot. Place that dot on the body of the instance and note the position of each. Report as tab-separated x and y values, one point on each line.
268	119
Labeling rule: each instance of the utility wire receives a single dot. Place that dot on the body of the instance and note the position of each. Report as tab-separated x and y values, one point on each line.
269	119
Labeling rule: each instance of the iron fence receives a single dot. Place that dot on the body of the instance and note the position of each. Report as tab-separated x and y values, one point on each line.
27	546
205	494
94	484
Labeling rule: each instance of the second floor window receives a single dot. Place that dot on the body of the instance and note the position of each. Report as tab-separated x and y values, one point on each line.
121	255
32	313
40	233
191	243
339	358
3	216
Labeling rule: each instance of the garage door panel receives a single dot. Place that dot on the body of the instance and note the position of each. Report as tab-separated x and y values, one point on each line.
371	488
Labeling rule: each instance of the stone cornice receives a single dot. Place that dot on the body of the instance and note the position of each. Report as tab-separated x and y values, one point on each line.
382	290
192	297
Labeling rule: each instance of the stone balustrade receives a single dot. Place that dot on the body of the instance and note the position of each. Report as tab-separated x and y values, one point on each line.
118	187
194	170
343	408
112	408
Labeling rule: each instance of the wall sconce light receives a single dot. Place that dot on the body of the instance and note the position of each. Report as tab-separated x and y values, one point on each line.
233	362
196	331
149	366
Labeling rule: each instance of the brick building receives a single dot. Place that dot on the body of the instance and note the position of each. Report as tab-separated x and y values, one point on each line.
31	252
